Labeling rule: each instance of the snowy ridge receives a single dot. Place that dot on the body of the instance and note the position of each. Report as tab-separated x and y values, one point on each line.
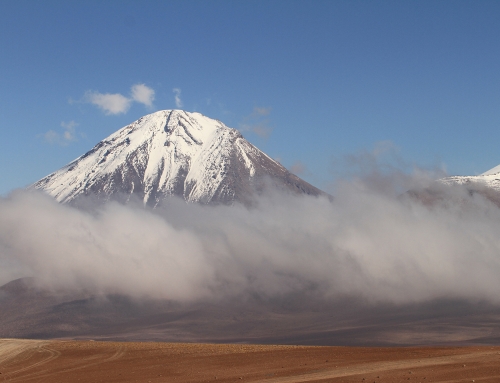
490	179
170	152
493	171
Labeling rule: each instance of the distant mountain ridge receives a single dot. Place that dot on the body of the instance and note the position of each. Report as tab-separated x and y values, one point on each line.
172	153
490	178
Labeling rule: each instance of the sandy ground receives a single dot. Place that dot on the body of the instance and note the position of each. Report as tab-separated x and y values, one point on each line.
89	361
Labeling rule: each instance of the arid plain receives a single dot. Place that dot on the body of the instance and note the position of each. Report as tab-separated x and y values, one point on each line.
94	361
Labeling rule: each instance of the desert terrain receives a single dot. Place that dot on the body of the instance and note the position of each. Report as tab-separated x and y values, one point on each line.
94	361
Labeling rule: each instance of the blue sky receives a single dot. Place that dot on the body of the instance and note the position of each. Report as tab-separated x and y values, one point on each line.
308	82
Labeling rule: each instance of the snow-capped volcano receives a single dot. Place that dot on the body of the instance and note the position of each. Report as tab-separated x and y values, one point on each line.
172	152
491	179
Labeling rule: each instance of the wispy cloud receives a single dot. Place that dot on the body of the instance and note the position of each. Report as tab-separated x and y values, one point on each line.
262	130
143	94
67	136
117	103
298	168
256	123
178	101
69	133
259	112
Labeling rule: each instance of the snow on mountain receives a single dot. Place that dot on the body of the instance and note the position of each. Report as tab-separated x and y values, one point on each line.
490	178
493	171
172	152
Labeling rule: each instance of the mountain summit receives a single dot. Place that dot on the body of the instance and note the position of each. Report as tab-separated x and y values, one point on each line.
490	179
172	153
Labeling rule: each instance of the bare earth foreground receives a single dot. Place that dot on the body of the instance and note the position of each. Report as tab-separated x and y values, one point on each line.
89	361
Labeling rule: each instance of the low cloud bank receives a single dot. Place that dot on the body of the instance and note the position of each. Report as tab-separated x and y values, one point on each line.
370	244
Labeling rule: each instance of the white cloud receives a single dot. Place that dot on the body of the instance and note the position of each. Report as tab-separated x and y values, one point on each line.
143	94
364	244
110	103
178	101
68	135
117	103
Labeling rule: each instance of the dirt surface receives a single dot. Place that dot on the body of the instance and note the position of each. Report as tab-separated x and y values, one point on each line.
90	361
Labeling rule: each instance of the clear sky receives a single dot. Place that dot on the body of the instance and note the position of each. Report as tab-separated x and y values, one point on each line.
306	81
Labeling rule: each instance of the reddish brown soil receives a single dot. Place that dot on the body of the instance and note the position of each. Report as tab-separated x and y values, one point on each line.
88	361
